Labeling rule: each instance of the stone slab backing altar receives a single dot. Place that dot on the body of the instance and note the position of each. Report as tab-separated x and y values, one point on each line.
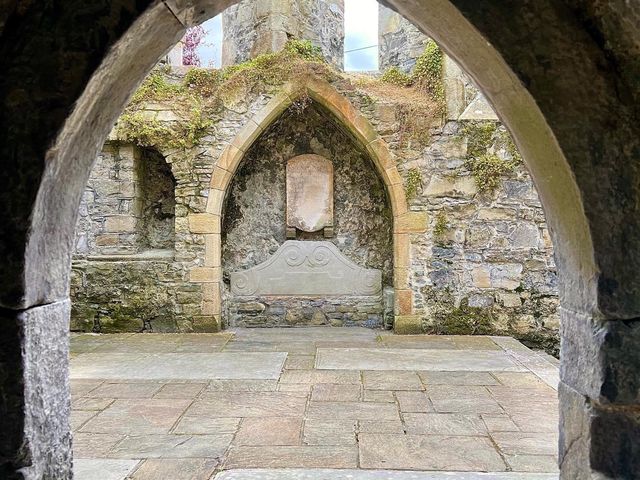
306	283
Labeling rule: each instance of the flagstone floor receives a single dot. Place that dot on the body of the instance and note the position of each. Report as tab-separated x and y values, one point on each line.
312	403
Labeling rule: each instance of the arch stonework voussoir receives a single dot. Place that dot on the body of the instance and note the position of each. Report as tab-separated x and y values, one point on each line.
404	222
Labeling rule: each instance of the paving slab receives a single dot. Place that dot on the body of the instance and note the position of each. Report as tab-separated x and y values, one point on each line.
460	378
102	469
180	390
184	366
532	463
94	445
199	425
344	376
416	360
176	469
136	416
248	404
411	402
328	474
463	399
125	390
330	392
434	452
353	410
329	432
390	380
444	424
305	456
80	417
381	426
524	443
172	446
269	431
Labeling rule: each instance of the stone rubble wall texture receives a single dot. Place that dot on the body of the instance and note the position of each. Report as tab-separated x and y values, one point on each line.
253	27
490	271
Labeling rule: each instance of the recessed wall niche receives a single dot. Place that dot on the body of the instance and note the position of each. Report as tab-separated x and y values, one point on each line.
255	223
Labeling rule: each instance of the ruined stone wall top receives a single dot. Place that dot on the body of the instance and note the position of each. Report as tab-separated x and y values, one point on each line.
254	27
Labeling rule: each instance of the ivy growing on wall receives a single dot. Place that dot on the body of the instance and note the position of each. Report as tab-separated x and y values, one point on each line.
426	75
201	94
487	168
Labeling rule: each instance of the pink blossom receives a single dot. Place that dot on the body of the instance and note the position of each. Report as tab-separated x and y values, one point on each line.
191	41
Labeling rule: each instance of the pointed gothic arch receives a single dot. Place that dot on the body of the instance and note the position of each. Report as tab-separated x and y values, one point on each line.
209	224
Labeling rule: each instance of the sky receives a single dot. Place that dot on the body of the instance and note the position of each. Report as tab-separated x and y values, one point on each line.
361	30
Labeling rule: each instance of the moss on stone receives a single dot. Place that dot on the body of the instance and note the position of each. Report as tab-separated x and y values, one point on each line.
441	227
395	76
413	182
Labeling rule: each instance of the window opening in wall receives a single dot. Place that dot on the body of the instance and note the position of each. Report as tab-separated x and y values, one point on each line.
361	35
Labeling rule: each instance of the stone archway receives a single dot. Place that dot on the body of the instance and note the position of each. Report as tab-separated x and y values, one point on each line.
405	222
562	75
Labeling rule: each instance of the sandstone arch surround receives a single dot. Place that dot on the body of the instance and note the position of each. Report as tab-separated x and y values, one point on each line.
208	224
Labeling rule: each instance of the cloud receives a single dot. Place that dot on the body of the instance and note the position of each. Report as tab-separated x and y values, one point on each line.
361	30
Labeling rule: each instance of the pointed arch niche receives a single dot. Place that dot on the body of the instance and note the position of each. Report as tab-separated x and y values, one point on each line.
209	224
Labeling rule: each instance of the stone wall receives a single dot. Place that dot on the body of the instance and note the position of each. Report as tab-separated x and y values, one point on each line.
254	222
400	46
399	42
131	264
253	27
483	264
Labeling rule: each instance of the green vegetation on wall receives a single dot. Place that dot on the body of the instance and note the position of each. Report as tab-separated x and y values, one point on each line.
413	182
427	73
201	94
441	228
397	77
426	76
487	168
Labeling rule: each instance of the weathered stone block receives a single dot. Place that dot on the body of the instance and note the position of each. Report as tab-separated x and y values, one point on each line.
407	325
603	358
412	222
107	240
404	302
205	275
204	223
597	441
120	223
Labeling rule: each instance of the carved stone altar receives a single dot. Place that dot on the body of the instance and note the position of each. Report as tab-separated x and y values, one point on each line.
307	269
309	193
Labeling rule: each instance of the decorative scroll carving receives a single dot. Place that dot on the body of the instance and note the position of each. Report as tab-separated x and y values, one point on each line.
307	269
309	193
